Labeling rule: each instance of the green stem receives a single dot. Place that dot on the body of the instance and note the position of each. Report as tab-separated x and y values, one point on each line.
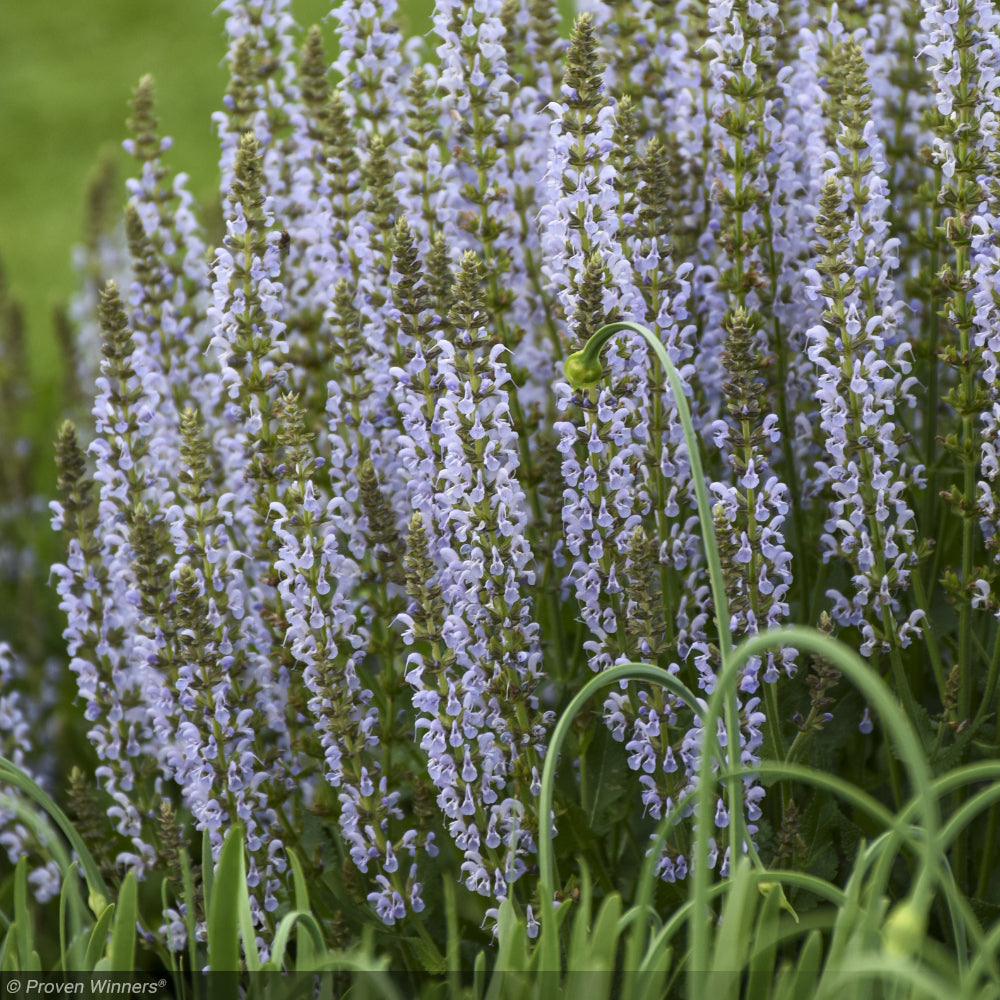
930	637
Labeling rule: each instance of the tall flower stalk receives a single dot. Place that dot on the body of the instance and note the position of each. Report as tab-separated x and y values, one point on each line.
871	524
751	505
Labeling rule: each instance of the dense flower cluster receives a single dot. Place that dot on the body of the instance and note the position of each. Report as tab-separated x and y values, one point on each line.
341	539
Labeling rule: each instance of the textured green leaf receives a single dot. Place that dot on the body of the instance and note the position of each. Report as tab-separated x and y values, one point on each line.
604	775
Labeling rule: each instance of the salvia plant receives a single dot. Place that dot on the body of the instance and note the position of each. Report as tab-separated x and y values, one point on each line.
346	533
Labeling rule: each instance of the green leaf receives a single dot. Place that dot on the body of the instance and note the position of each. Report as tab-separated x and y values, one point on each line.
808	967
303	937
604	791
307	929
428	956
190	921
228	900
22	917
512	944
207	868
479	976
121	950
98	938
8	959
72	912
732	940
579	935
764	952
604	939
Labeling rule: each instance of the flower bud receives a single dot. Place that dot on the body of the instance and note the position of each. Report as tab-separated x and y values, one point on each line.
904	930
582	372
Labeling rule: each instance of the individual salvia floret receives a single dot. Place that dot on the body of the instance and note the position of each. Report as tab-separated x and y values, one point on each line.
483	730
870	523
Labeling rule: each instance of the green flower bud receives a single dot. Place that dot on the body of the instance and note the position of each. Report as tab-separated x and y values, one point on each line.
904	930
583	372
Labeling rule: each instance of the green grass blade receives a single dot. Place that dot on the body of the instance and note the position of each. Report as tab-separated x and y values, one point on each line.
479	976
304	938
764	953
121	949
228	899
72	913
97	943
732	939
223	904
650	982
579	942
190	920
307	928
512	940
808	967
604	939
207	869
22	916
8	949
